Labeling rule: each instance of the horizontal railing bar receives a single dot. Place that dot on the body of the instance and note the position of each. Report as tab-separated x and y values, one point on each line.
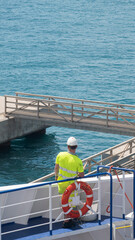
27	104
107	158
25	215
54	209
104	115
21	216
76	104
60	220
113	162
68	110
109	164
55	196
16	204
89	112
110	149
115	194
10	108
44	177
121	159
95	201
13	103
23	98
118	206
48	183
22	229
95	189
73	99
67	117
120	195
75	116
75	111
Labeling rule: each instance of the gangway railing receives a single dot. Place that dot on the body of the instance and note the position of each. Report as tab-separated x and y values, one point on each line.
123	152
48	198
123	193
76	113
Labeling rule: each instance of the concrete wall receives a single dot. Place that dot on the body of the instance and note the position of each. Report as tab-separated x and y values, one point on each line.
14	128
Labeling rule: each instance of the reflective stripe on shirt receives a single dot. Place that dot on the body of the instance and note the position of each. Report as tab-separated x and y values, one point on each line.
68	171
64	177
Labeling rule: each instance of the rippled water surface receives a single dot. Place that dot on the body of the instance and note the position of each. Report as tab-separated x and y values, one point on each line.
80	49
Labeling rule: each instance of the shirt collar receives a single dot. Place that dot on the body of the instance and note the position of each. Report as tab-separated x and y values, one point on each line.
71	153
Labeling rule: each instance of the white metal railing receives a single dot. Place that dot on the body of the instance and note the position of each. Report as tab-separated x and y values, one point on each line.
23	204
11	210
52	197
121	194
122	205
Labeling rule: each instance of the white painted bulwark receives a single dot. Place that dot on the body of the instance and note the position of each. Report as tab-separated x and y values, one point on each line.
22	205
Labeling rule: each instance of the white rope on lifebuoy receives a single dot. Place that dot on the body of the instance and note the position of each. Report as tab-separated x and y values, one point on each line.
65	197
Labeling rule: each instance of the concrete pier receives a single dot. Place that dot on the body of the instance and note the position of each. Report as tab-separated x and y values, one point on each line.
11	128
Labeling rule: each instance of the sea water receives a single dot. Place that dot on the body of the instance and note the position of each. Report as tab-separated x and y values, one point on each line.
69	48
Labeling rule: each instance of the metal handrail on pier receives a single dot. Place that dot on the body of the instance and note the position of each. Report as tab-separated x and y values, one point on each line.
73	113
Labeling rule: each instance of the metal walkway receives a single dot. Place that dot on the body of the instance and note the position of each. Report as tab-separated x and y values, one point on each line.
73	113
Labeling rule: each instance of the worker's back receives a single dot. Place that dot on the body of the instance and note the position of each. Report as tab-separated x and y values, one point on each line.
69	166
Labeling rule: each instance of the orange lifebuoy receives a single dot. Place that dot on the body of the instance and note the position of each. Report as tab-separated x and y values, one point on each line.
65	197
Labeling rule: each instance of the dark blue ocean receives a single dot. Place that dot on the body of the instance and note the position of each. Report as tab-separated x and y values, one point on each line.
69	48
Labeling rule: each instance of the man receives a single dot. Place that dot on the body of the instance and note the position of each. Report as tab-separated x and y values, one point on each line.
68	165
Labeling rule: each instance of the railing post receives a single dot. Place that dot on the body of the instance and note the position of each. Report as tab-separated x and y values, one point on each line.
111	199
111	205
82	108
101	159
130	145
50	208
49	103
107	118
134	161
99	198
16	100
111	153
89	167
124	195
5	104
72	112
117	114
38	108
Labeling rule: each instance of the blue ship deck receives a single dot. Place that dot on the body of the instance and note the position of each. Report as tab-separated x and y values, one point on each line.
43	231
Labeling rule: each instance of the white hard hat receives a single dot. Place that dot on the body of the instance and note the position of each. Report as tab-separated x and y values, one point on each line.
72	141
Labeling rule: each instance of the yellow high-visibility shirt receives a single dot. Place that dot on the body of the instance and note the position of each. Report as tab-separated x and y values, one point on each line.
69	167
